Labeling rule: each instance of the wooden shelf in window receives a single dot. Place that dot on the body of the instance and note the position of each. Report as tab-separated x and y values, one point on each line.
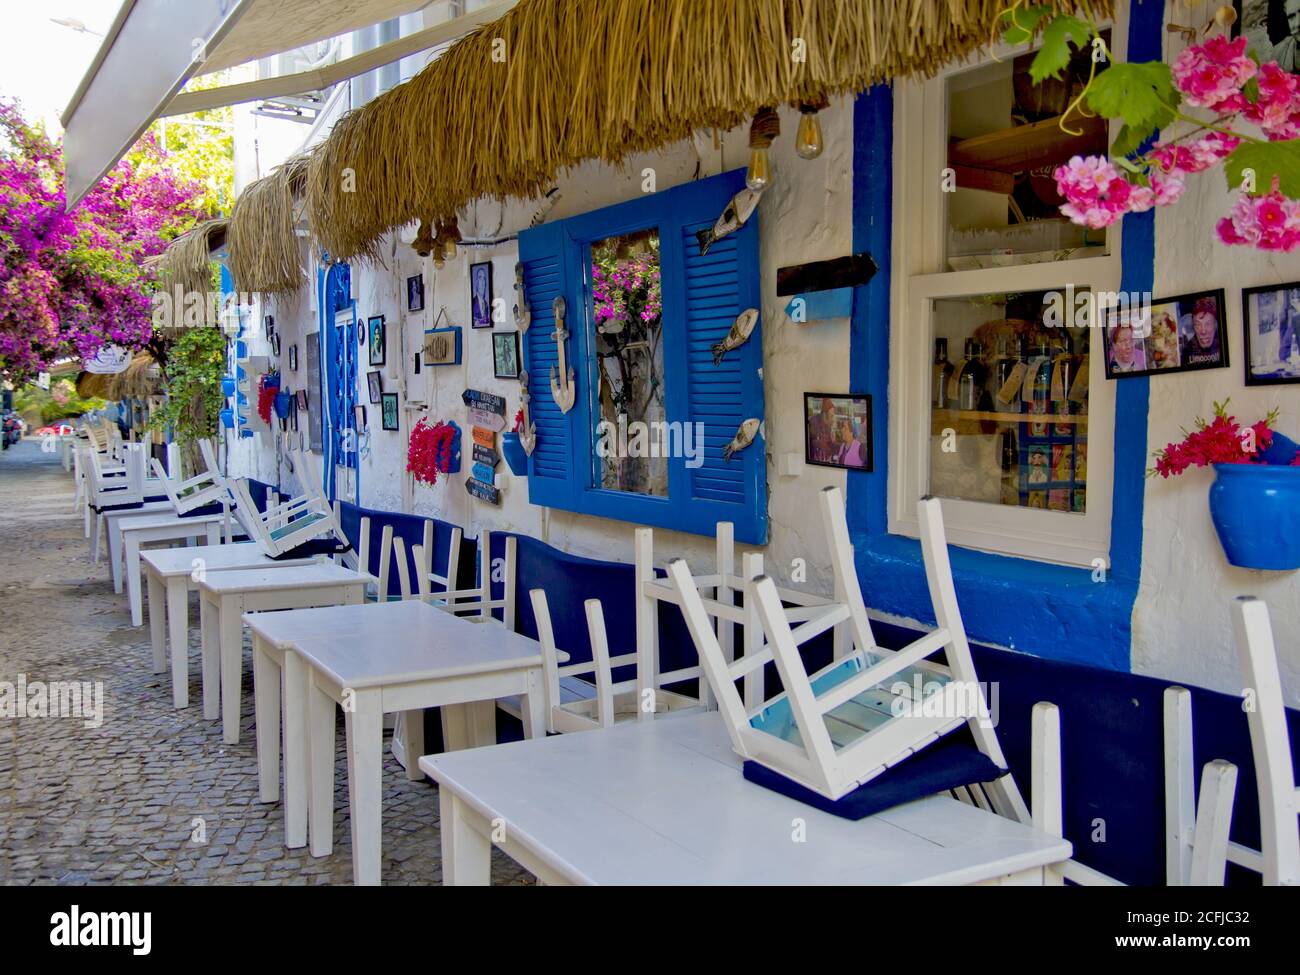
1024	147
994	417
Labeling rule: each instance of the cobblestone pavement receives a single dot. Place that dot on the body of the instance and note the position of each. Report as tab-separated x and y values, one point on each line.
121	803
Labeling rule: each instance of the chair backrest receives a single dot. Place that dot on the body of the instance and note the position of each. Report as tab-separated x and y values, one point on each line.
284	526
839	728
477	600
1279	800
202	489
109	487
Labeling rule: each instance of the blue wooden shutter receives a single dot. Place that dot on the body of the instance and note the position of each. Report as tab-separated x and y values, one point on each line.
550	468
715	288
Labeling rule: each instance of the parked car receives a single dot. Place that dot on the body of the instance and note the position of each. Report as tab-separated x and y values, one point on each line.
55	430
12	427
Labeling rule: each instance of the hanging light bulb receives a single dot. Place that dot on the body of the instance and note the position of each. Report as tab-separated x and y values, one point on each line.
452	230
765	127
808	141
437	254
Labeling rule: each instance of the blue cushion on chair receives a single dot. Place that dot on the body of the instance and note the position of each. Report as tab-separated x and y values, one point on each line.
100	509
317	546
208	509
948	763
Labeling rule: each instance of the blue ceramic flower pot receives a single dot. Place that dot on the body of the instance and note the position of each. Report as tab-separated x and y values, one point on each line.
516	457
1256	511
227	385
228	418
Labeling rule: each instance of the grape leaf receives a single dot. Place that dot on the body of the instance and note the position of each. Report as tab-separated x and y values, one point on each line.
1129	140
1266	160
1022	23
1143	95
1054	56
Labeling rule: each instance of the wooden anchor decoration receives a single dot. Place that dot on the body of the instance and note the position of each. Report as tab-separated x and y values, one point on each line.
562	386
527	429
523	316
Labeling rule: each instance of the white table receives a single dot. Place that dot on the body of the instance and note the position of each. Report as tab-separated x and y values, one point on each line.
664	802
377	659
112	519
171	574
158	528
224	597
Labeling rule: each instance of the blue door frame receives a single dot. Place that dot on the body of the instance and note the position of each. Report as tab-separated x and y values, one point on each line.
339	380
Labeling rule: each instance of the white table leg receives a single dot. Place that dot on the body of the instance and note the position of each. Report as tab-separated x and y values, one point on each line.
297	754
178	642
133	579
454	734
114	530
466	852
232	665
210	649
320	738
266	711
214	533
95	545
157	625
365	742
534	706
481	723
413	743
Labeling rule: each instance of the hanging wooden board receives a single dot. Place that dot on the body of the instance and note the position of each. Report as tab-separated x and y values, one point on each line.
484	473
489	421
484	492
486	455
841	272
817	306
485	437
488	402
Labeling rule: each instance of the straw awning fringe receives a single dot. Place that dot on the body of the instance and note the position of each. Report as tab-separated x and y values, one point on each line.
263	242
594	79
187	261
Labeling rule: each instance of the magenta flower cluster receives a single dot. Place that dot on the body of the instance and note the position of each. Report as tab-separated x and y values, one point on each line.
71	282
1213	75
626	288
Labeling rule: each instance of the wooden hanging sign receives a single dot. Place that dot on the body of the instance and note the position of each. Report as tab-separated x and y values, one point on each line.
484	473
488	402
489	421
841	272
484	492
486	455
486	438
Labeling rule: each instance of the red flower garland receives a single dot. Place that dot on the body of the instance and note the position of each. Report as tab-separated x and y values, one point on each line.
429	452
267	387
1224	441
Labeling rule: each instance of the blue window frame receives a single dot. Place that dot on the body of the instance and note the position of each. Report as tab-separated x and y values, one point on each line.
702	294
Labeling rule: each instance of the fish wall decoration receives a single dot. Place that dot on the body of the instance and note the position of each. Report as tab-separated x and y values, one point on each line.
743	438
734	216
741	329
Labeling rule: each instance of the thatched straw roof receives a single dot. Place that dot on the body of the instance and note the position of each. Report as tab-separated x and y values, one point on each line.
262	239
141	378
187	261
591	79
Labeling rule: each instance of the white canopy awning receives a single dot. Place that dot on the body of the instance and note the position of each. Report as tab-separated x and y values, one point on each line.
155	46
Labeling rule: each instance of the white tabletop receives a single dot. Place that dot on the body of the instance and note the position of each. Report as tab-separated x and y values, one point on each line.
664	802
168	520
238	555
393	643
269	579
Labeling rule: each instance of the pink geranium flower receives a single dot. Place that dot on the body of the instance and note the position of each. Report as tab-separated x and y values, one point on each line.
1211	74
1269	221
1096	193
1277	110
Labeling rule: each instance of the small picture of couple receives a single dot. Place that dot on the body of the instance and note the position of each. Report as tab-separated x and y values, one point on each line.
837	431
1173	335
1272	325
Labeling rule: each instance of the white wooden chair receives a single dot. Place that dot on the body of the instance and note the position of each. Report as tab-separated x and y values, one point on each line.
109	488
478	600
283	528
1278	859
205	488
837	729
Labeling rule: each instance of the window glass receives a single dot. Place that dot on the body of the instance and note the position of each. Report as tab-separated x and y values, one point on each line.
627	324
1006	136
1009	399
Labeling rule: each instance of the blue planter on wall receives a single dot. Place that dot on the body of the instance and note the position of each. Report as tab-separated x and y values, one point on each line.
1256	511
516	457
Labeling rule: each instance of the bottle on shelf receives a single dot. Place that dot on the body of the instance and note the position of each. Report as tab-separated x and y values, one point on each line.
972	378
941	376
1010	372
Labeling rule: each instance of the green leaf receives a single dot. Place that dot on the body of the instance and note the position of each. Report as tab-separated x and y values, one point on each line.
1129	140
1143	95
1266	160
1054	56
1022	23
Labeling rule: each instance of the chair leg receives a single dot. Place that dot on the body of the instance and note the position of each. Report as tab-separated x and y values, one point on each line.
1213	820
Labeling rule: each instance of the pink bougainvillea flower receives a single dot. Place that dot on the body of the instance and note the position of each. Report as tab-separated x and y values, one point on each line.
1277	110
1210	75
1269	221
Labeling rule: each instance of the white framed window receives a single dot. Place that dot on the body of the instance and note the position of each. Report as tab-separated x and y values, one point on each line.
1016	433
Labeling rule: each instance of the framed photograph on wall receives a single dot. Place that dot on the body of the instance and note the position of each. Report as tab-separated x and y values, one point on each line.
275	344
480	294
377	345
361	417
1180	334
505	355
1270	319
293	356
415	292
302	399
1272	29
268	323
388	410
837	430
375	384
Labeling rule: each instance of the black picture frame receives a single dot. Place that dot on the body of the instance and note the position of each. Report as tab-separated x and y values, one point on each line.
388	412
302	399
275	344
1150	328
415	292
293	356
820	446
505	355
375	385
1256	345
1265	25
359	411
268	323
480	295
377	346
